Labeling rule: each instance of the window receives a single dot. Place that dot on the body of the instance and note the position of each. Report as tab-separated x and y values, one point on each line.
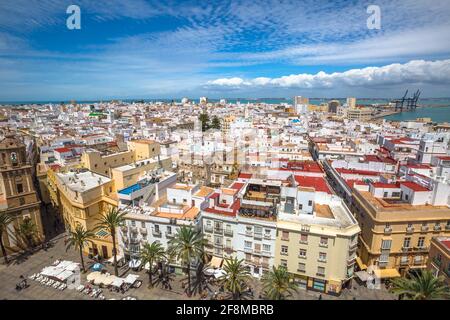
267	232
322	256
386	244
258	230
418	259
409	225
266	247
133	223
421	242
384	257
169	229
302	253
304	238
406	242
283	263
385	195
19	188
156	228
301	267
142	224
310	203
257	247
247	244
395	194
284	250
228	243
320	270
323	241
284	235
404	260
300	207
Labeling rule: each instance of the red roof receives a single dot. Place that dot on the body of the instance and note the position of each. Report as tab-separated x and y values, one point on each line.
446	243
62	150
418	166
318	183
235	207
309	166
352	182
445	158
414	186
355	171
386	185
245	175
237	185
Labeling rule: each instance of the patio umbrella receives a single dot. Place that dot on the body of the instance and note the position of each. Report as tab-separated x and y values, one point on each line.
92	276
97	267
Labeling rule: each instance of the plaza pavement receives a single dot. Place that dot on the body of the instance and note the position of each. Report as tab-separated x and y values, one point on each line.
34	263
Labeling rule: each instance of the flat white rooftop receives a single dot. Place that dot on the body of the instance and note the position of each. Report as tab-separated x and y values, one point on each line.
83	181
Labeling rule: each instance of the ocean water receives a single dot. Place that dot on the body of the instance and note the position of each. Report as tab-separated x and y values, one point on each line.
437	114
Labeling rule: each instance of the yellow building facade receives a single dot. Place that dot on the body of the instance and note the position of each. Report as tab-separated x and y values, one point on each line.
83	198
396	237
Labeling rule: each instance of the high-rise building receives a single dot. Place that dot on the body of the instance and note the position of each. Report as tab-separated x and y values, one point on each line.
18	197
301	104
333	106
351	102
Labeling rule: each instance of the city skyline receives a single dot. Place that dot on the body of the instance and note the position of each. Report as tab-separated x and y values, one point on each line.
141	49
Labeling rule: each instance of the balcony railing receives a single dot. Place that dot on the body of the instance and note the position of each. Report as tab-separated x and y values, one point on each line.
388	230
218	230
437	228
424	228
409	229
156	233
208	229
257	235
228	233
169	234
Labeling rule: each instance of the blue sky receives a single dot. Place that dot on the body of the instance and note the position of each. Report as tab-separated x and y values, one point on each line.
149	49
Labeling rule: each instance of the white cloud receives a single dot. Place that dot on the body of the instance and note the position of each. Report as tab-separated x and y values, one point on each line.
413	72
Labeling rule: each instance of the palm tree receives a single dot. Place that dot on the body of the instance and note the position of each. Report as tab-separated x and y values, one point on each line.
151	253
235	278
187	245
5	220
78	239
199	281
113	219
422	286
278	284
27	230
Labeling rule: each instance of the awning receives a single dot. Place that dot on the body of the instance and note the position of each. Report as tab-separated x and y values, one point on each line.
134	263
119	256
386	273
361	265
131	278
362	275
92	276
216	262
219	273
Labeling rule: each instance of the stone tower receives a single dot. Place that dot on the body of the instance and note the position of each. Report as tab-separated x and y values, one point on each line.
18	197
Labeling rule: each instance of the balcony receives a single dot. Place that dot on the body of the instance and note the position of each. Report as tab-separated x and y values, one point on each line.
320	274
388	230
218	230
257	235
265	265
143	230
267	236
409	229
406	249
169	234
353	245
228	250
301	270
228	233
208	229
248	250
437	228
404	262
323	245
156	233
447	227
248	233
424	228
437	262
421	249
